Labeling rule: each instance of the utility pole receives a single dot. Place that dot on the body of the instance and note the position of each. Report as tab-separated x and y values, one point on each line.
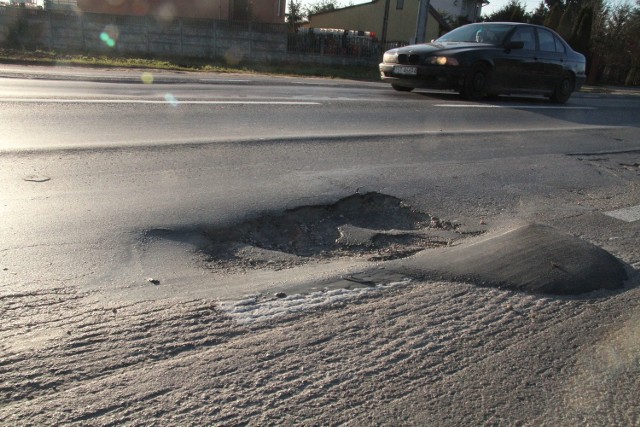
421	24
385	22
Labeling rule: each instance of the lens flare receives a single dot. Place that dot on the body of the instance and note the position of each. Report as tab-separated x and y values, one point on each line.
110	35
147	78
106	39
167	12
233	57
172	100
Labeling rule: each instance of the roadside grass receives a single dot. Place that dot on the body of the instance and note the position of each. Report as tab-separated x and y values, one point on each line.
39	57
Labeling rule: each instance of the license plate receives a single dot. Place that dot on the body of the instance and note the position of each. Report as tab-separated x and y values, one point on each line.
406	71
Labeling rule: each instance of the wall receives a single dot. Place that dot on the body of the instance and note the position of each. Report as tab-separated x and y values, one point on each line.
403	22
209	9
369	17
267	11
365	17
66	31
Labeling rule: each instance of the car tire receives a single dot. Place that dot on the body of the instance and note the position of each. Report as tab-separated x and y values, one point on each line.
563	90
477	83
402	88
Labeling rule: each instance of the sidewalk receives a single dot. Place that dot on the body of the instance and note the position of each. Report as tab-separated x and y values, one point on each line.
612	90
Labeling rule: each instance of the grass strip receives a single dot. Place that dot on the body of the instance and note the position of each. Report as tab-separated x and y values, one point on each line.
38	57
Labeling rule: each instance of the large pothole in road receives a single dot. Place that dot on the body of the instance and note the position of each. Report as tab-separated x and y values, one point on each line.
375	226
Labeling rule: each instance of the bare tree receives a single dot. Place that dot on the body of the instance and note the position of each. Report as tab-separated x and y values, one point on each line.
321	6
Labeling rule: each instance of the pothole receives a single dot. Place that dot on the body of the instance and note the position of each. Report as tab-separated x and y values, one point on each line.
343	242
337	243
374	226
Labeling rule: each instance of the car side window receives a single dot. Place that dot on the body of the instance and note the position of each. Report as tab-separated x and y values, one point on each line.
546	41
560	47
526	35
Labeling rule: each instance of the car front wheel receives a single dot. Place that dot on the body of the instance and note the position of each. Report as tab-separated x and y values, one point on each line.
563	90
477	83
402	88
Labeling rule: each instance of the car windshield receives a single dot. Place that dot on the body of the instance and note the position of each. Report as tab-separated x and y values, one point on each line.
478	33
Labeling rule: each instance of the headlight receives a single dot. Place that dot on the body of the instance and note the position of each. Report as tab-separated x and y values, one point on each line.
390	56
442	60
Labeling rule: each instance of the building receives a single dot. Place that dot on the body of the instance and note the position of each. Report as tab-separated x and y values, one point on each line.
267	11
22	3
400	17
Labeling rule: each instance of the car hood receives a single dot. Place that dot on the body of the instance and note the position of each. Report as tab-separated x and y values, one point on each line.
438	47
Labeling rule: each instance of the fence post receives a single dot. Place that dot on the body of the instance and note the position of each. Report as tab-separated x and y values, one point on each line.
250	39
84	42
146	33
181	41
51	39
214	39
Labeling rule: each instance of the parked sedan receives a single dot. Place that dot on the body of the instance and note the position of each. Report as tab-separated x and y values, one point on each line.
489	59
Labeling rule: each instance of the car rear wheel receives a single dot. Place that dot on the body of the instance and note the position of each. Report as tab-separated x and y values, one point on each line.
476	83
563	90
402	88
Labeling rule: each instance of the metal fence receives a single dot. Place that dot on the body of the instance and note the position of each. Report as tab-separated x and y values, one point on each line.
330	44
619	74
392	45
338	43
61	4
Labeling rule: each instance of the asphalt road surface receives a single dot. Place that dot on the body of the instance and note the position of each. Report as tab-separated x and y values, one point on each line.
178	109
203	249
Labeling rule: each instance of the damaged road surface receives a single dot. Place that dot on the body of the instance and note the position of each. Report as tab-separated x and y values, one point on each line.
378	228
371	226
399	331
155	270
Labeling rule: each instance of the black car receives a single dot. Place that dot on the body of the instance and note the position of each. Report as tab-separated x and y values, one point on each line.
489	59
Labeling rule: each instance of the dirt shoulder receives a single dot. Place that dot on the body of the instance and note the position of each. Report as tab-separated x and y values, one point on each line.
418	354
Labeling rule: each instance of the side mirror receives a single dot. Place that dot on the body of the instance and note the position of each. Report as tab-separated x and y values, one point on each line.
513	45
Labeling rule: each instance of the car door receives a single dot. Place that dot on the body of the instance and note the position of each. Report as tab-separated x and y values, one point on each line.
519	68
551	58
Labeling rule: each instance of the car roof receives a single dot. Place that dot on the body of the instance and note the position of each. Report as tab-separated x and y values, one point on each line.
519	24
522	24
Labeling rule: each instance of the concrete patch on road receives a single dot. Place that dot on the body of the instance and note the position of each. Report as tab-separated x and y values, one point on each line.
631	214
260	308
623	165
532	258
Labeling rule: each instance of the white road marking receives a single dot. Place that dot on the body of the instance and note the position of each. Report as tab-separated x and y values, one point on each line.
150	101
524	107
223	81
631	214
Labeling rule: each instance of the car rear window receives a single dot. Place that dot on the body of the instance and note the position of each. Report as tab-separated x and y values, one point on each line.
526	35
547	41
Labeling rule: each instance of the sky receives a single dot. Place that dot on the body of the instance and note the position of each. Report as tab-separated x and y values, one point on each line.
486	10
